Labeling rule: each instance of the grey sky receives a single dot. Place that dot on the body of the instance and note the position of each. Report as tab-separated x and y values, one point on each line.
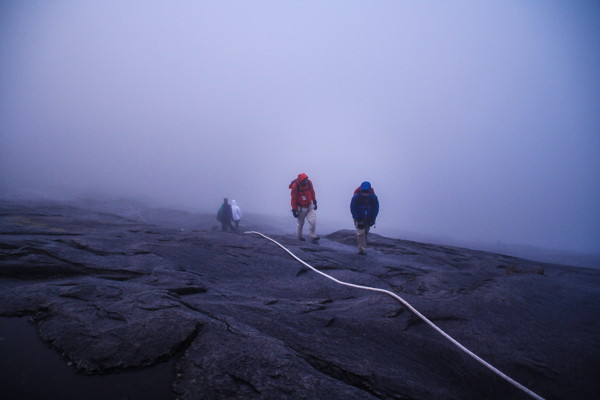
475	120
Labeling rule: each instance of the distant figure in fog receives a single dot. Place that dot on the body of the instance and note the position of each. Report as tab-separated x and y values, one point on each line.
236	214
364	208
225	215
304	205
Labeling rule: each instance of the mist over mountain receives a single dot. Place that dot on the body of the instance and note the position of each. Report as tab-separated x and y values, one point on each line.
474	121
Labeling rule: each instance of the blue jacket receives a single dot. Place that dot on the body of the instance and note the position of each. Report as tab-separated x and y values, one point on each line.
364	207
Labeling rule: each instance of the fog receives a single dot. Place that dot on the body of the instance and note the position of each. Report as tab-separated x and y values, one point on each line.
473	120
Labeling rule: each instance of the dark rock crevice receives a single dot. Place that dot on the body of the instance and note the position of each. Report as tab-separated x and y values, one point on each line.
348	378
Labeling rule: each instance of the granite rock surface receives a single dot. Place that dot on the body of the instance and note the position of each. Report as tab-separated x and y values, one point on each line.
120	289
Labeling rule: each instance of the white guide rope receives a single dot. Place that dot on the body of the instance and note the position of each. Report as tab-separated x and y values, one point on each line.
411	308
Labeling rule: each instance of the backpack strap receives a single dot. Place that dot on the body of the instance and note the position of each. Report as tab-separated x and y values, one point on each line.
295	182
298	185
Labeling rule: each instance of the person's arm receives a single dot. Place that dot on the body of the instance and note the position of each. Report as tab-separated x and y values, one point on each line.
376	207
294	193
354	208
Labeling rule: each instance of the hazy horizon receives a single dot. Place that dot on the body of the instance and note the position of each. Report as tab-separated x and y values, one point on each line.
473	120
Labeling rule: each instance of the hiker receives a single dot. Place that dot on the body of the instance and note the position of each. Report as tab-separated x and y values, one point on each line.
236	214
364	207
304	205
224	216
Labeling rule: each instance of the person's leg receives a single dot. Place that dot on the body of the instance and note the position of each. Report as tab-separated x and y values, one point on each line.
361	238
302	213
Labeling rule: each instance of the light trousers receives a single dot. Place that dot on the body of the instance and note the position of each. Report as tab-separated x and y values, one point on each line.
361	235
308	214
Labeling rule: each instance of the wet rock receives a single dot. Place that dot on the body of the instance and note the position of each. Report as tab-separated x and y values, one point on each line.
243	320
235	361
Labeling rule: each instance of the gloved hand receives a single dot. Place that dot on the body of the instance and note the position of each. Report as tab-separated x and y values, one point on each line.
360	226
295	212
372	222
315	204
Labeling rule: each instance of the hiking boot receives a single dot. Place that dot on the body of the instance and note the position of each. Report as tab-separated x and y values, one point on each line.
316	239
302	239
362	252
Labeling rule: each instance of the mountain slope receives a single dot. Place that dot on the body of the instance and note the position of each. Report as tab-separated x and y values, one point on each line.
243	320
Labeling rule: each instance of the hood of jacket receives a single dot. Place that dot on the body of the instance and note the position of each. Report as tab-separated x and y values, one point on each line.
233	203
302	177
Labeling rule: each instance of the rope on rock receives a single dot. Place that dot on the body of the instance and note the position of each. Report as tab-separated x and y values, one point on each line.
417	313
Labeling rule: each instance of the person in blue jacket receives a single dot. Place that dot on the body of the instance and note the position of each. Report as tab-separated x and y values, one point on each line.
364	207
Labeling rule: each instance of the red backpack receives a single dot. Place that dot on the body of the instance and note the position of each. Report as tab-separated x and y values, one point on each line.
358	190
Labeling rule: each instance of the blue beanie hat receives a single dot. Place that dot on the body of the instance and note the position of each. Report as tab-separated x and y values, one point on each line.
365	186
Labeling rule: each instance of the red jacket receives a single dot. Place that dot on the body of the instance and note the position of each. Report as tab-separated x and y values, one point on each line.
302	195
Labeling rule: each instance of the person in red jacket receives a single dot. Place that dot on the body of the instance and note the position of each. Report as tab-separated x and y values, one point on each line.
304	205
